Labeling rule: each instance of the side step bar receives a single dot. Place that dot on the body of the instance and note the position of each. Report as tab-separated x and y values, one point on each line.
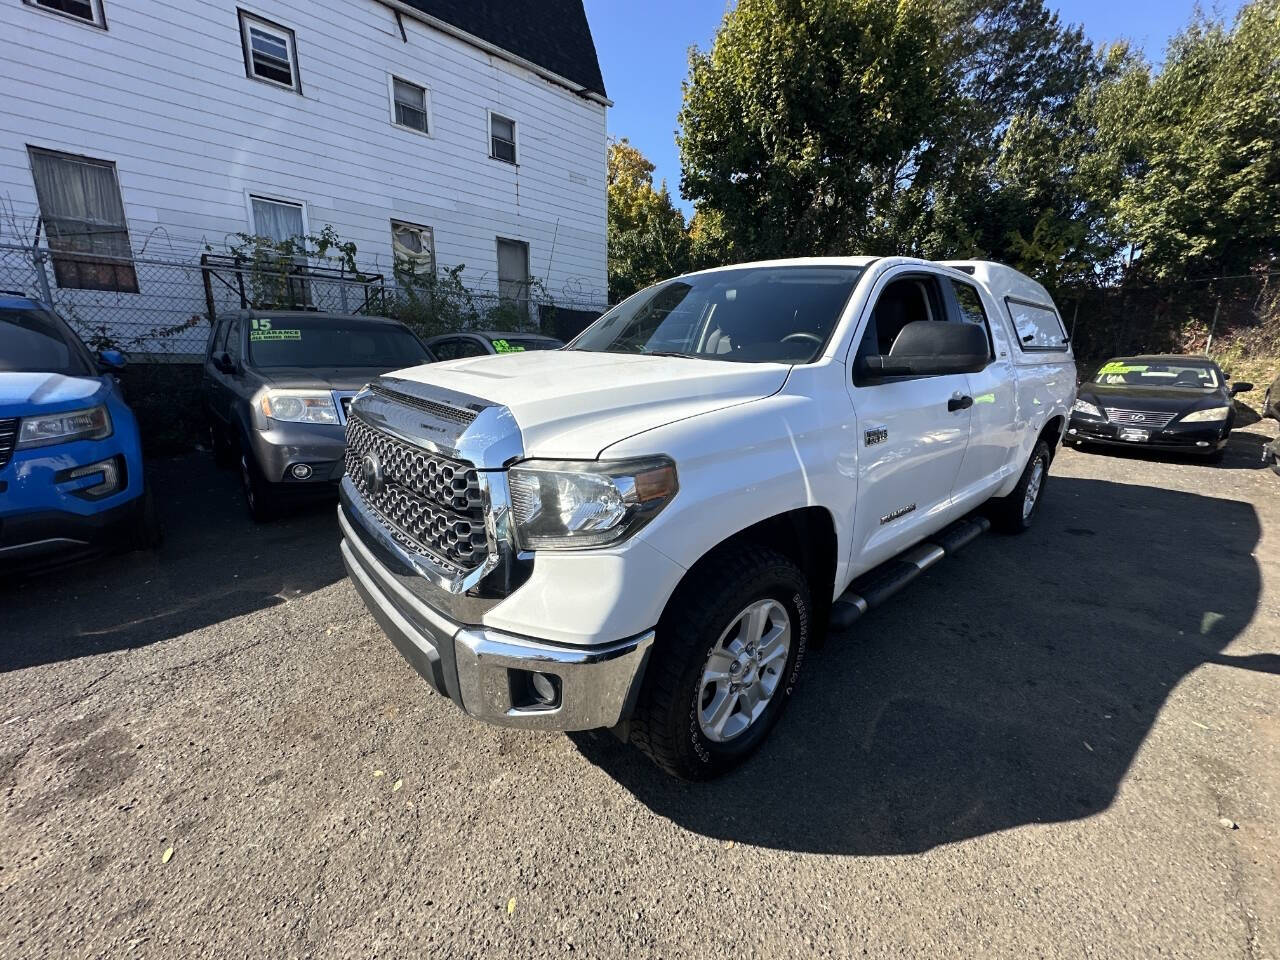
876	586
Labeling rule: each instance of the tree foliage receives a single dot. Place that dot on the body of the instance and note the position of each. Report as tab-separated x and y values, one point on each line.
648	240
986	128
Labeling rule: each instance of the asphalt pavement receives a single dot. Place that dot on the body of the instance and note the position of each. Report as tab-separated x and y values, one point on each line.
1063	744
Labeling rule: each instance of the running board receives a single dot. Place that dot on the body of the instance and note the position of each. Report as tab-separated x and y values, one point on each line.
876	586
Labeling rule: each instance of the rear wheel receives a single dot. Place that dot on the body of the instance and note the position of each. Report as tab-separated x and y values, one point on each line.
1016	512
727	658
147	533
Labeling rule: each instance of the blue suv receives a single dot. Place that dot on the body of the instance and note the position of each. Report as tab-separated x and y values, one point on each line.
71	480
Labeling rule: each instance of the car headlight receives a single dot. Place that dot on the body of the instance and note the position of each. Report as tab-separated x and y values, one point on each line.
570	505
298	406
91	424
1087	408
1206	416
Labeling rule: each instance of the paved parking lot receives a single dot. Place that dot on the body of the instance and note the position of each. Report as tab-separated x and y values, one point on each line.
1029	753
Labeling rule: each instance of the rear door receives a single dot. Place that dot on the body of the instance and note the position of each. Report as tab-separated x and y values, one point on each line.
912	431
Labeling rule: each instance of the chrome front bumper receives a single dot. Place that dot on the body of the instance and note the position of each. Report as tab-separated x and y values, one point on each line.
487	672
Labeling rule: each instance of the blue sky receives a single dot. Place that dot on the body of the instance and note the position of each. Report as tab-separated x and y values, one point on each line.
643	48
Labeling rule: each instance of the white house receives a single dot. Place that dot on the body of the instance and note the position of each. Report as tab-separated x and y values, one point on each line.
453	131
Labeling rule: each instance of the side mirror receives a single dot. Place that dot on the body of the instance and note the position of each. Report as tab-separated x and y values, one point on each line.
1241	386
930	348
224	363
111	359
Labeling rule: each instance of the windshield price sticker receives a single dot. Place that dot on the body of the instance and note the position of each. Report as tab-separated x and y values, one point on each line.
259	335
502	346
1114	367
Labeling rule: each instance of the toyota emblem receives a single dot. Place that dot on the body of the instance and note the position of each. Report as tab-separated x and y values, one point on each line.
371	470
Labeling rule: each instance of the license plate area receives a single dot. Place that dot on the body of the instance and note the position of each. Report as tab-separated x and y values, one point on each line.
1134	435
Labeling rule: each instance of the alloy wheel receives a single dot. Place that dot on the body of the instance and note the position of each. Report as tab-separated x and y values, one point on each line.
744	670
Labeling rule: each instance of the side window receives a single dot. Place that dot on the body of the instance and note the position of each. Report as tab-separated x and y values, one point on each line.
970	303
470	347
1037	325
446	349
905	300
232	345
217	337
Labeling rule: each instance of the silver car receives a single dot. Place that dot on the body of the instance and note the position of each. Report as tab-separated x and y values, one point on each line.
275	391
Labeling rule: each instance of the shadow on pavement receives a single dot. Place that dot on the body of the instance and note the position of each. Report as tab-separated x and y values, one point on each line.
1013	684
215	564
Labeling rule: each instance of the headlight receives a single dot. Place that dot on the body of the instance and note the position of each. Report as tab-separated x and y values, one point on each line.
1088	409
568	505
299	406
1206	416
91	424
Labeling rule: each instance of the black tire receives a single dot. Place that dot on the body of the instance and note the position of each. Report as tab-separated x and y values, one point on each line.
1216	456
258	496
223	453
1010	514
665	724
147	532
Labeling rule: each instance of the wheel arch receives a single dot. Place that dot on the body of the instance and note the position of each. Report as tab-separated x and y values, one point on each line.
1051	434
805	535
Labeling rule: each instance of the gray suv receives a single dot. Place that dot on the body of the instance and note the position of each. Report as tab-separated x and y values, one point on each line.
275	392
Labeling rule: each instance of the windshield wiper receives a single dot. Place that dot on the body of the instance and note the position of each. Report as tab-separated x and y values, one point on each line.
668	353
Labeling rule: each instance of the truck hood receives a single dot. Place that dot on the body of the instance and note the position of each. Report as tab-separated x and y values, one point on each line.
572	404
23	394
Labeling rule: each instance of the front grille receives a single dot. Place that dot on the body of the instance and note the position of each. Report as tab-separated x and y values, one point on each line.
1146	419
429	503
8	437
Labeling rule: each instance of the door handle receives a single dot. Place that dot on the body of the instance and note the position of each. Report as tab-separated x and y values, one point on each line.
959	402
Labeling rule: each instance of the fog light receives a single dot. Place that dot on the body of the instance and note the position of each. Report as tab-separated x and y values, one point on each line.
108	473
300	471
1202	443
544	688
1072	431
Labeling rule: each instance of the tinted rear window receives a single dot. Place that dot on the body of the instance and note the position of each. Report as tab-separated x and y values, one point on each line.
35	341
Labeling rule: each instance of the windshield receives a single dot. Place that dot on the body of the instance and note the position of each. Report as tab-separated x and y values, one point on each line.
35	341
1149	373
747	314
317	342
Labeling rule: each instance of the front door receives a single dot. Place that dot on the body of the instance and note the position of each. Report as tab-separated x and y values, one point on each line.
911	437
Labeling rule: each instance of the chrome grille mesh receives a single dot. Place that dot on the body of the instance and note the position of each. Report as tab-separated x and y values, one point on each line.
427	502
1146	419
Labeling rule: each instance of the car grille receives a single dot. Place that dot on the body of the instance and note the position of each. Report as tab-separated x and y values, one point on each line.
8	437
429	503
1146	419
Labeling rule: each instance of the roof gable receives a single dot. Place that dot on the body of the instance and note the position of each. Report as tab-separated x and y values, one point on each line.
554	34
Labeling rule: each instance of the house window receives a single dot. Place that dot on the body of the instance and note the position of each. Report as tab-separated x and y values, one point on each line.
269	52
513	274
90	11
83	216
279	220
414	247
409	105
502	138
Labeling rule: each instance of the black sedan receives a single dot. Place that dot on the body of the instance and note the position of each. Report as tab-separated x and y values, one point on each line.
1157	403
1271	402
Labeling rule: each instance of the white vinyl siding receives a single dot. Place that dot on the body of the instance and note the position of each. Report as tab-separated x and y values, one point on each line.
190	148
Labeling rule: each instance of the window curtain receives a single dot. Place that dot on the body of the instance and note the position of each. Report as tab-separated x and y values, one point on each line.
279	221
84	222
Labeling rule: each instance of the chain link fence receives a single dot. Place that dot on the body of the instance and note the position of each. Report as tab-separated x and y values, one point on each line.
160	309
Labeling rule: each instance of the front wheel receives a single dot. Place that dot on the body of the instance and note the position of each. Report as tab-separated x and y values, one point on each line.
727	658
257	494
1016	512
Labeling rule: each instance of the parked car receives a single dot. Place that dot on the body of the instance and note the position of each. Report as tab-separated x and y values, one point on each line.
275	392
71	474
1271	401
478	343
648	529
1174	403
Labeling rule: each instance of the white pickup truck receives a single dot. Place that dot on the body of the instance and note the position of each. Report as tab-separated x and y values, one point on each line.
648	529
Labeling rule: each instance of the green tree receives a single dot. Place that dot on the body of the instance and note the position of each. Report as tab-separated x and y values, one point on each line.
1201	194
647	236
